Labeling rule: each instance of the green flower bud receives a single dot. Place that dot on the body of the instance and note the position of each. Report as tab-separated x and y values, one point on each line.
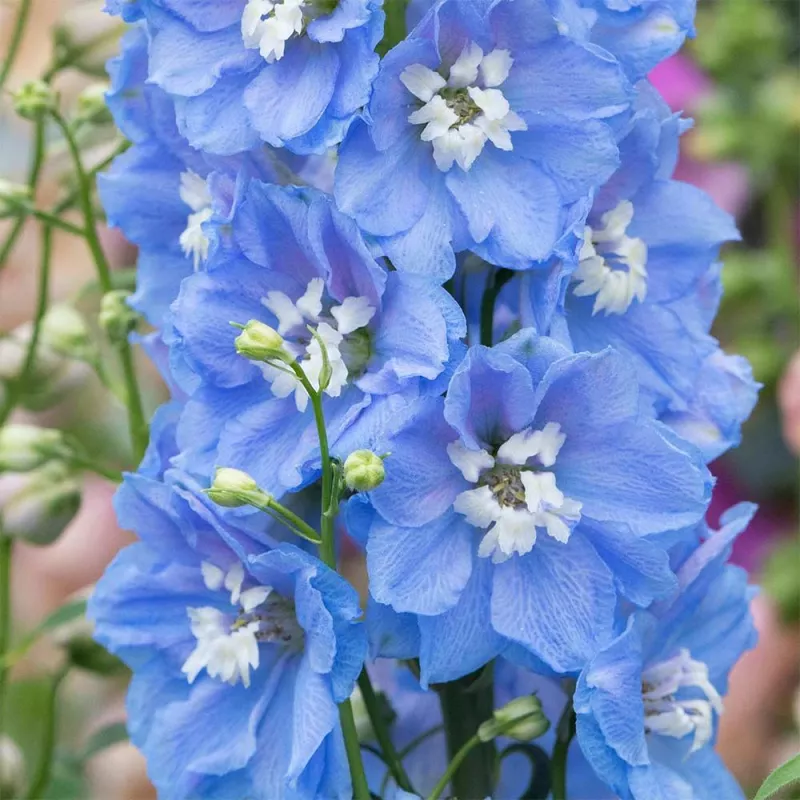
13	195
91	105
259	342
12	768
521	719
26	447
65	332
233	488
363	471
37	507
116	317
34	99
77	640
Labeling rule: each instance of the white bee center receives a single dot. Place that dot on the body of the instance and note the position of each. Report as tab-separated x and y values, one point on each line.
516	492
612	265
464	112
194	192
268	25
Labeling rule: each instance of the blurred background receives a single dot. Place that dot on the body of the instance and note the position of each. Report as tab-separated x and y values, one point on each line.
742	87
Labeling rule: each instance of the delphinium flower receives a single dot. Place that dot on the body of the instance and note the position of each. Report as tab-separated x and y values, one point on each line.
648	703
239	652
487	129
289	73
168	198
518	509
303	265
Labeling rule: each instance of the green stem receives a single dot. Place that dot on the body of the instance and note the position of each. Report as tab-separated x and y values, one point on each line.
6	547
353	748
558	766
37	160
327	551
41	780
290	519
16	39
452	769
465	705
54	221
495	281
137	424
15	386
381	729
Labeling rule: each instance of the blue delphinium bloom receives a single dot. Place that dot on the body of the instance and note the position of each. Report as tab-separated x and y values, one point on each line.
487	129
289	73
519	508
301	263
239	656
640	33
169	199
646	282
648	703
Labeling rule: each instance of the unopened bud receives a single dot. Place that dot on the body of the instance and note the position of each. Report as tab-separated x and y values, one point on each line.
41	509
76	637
26	447
233	488
521	719
12	768
259	342
363	471
116	317
91	106
33	99
65	332
13	196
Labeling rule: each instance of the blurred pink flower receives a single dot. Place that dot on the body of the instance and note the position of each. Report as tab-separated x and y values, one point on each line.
684	85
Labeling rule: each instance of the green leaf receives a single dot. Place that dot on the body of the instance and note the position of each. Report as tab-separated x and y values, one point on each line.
785	776
781	580
106	737
395	28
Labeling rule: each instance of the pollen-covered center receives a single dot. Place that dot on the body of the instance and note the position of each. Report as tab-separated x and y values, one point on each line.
515	492
679	699
465	111
229	634
341	327
612	265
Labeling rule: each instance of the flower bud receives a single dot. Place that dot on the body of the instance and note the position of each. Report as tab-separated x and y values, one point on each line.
91	106
26	447
65	332
76	637
12	768
34	99
259	342
521	719
41	509
13	195
233	488
116	317
363	471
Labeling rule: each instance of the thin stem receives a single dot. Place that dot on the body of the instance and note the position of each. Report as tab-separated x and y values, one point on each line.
6	547
390	756
290	519
54	221
81	462
453	766
353	748
16	39
137	424
41	309
558	763
496	279
44	770
37	160
327	551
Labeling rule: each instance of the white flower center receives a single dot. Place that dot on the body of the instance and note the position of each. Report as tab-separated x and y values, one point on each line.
612	264
228	643
669	715
342	328
515	497
465	111
194	192
268	25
